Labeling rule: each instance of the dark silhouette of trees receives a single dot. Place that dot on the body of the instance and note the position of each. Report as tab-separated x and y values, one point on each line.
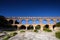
5	25
3	22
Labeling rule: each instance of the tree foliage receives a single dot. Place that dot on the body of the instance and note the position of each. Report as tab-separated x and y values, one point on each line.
4	24
58	24
57	34
37	27
3	21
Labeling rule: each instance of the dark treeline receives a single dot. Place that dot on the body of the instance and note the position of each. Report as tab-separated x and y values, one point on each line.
5	25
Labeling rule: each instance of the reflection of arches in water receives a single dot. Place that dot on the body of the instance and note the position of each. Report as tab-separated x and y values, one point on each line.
30	27
54	26
22	27
23	21
11	21
46	27
37	27
17	21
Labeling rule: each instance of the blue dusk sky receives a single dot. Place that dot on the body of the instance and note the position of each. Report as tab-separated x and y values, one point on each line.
41	8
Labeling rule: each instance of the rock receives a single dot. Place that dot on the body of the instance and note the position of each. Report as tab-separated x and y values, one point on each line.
2	34
34	36
56	28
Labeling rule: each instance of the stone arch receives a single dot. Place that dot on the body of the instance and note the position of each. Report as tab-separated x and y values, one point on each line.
44	21
37	27
51	21
23	21
57	20
11	21
30	21
30	27
37	21
16	21
46	27
54	26
22	27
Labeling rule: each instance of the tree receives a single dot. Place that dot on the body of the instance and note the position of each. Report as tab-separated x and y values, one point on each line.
5	25
3	21
37	27
58	24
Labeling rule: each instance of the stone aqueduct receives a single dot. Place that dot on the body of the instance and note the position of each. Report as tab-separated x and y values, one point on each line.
33	19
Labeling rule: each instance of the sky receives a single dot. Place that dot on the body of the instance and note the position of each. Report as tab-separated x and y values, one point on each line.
36	8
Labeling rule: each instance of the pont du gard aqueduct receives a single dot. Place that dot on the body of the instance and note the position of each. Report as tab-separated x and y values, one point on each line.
40	19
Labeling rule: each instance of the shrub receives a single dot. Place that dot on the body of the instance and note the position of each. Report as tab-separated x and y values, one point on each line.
22	31
58	24
35	30
48	30
37	27
13	34
9	36
57	34
6	37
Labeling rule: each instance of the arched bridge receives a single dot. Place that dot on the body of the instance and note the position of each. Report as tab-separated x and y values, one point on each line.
40	19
